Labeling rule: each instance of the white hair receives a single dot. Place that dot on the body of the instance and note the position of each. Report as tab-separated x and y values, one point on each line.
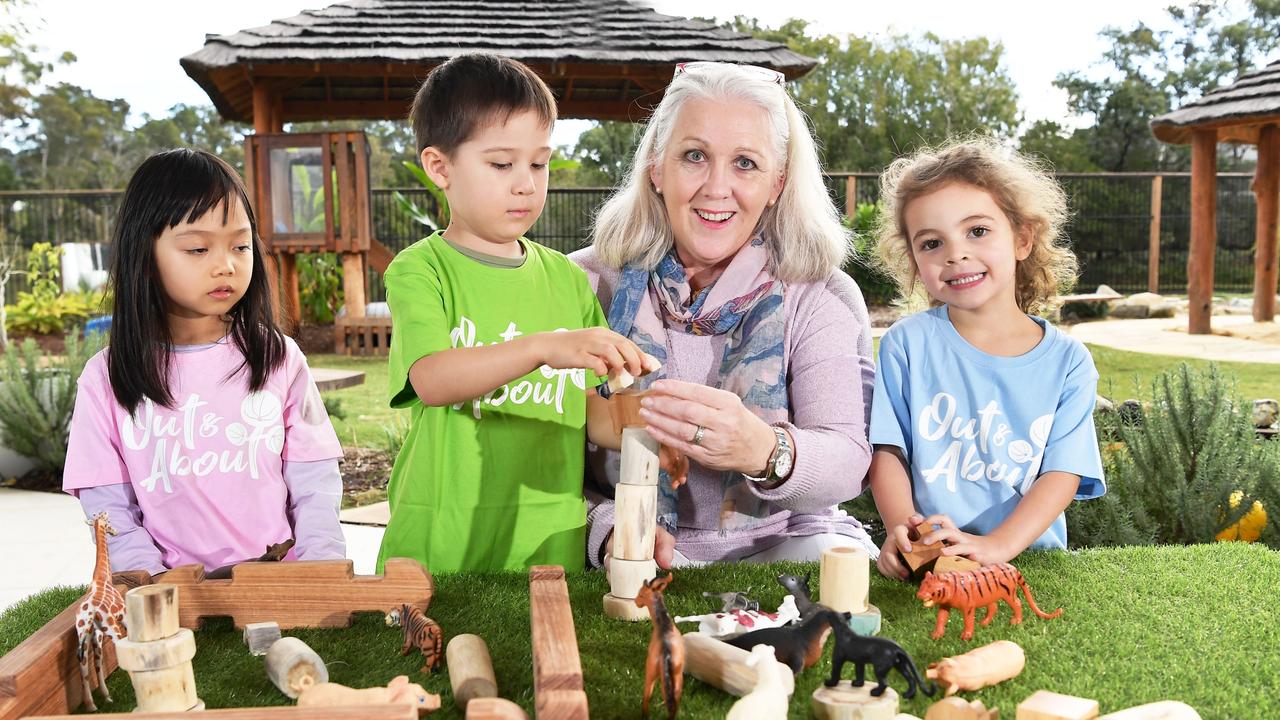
803	232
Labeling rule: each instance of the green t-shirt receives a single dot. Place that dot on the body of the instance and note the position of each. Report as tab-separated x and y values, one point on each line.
494	483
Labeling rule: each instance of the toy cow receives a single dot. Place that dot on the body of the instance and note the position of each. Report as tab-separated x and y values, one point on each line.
723	625
978	668
399	690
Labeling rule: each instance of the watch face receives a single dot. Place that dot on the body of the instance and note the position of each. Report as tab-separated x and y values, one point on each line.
782	465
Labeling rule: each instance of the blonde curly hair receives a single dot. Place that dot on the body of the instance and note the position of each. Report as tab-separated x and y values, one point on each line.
1023	189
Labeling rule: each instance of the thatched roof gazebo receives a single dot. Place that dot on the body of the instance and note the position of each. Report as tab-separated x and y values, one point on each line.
604	59
1247	111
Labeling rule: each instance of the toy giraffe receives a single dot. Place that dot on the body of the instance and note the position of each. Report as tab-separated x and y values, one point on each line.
101	614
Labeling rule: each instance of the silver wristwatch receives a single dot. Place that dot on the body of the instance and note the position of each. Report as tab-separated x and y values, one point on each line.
780	460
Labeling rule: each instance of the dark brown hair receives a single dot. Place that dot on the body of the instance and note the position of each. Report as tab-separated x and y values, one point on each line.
469	91
169	188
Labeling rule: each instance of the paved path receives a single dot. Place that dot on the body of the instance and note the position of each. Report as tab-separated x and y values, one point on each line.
1169	336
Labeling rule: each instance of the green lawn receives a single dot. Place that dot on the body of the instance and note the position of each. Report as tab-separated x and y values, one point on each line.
1199	624
367	412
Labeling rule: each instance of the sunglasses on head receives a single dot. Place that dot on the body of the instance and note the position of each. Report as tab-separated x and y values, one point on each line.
764	73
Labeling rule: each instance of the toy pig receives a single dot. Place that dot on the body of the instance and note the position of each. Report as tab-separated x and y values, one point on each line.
979	667
399	690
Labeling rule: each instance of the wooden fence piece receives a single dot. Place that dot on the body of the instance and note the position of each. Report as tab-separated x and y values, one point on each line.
557	670
402	711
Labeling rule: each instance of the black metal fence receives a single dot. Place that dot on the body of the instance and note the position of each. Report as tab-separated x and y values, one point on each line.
1110	227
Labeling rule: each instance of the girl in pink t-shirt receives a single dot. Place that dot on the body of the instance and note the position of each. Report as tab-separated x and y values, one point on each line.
199	428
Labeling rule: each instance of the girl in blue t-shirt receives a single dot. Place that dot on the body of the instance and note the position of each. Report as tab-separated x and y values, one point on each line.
982	416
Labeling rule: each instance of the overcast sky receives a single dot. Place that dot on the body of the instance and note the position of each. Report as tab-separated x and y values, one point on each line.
130	50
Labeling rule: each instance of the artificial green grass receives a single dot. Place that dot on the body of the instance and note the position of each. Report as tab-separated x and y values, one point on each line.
1199	624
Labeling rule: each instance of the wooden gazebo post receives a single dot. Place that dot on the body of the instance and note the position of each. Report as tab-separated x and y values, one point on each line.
1204	238
1246	111
283	267
1266	188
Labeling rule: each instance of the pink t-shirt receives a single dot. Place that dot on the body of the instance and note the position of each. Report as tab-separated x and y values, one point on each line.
208	473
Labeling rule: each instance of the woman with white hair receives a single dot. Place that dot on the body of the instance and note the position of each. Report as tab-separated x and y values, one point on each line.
721	255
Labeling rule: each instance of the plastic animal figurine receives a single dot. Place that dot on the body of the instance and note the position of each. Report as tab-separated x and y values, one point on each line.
666	649
979	667
274	553
399	690
724	625
954	708
421	632
799	589
768	700
797	646
880	653
100	615
730	601
971	589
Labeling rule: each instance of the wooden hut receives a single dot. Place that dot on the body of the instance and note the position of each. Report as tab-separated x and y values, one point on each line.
1246	111
364	59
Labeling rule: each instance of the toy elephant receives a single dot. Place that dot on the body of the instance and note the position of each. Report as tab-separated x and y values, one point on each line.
399	690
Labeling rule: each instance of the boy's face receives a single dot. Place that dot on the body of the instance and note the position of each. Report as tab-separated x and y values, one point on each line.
496	182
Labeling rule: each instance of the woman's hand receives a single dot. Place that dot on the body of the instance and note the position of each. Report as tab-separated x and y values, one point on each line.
732	437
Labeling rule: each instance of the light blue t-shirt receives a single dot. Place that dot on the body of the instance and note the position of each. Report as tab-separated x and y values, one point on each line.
978	429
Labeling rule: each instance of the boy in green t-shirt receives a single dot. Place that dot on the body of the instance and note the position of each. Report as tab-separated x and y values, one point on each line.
490	335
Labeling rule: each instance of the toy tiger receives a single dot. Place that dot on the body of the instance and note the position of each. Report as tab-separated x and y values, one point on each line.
420	631
969	589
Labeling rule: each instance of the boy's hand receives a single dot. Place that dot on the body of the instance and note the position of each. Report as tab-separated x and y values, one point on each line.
599	350
982	549
675	463
890	563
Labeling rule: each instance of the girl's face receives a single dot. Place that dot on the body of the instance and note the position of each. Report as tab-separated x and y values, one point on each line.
205	266
965	249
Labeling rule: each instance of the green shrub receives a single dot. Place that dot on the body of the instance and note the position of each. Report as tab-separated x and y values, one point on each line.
394	434
320	287
45	309
333	407
38	396
878	287
1171	475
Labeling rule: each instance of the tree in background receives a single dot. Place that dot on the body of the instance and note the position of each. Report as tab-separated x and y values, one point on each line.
1147	72
869	99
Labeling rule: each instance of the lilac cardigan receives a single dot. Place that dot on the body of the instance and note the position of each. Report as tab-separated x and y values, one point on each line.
830	372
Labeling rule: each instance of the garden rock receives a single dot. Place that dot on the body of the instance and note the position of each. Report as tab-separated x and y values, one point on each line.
1103	406
1130	311
1131	412
1265	412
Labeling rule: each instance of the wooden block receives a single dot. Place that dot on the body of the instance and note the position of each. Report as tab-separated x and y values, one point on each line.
624	609
403	711
639	458
724	666
921	557
289	660
954	708
1045	705
136	656
494	709
557	670
260	636
1163	710
954	563
41	676
470	670
624	409
151	612
315	593
843	577
635	521
845	702
626	577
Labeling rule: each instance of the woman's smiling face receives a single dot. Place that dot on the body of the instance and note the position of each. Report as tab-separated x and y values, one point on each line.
718	174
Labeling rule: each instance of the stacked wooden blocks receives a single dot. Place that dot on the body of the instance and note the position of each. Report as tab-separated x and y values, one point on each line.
634	512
